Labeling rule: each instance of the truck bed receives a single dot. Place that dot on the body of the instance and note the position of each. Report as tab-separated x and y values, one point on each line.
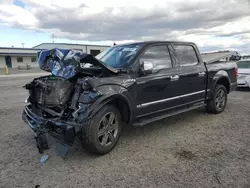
216	57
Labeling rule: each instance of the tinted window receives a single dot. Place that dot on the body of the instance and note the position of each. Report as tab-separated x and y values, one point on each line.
185	55
158	56
244	64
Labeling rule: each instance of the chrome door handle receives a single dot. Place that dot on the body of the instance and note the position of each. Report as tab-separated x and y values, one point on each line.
201	74
174	78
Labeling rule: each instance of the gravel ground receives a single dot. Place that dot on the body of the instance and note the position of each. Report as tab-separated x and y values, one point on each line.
194	149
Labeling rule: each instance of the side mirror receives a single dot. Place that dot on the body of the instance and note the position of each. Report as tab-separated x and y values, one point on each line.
147	67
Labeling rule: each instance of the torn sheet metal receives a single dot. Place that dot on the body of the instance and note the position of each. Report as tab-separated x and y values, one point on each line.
65	63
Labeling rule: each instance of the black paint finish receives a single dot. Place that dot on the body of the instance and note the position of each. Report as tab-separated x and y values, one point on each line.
139	97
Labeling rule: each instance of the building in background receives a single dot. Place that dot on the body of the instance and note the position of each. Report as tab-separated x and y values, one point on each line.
27	57
18	57
90	49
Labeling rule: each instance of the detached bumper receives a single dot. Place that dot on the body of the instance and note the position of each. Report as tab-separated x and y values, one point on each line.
61	130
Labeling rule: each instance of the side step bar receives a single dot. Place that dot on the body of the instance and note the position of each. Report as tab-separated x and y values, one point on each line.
151	120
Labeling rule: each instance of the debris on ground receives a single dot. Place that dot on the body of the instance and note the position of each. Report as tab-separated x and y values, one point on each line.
44	158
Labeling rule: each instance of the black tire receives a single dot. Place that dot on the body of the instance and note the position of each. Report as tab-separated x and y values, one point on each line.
212	105
91	139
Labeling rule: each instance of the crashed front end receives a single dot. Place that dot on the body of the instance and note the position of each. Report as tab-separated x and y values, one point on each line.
59	104
59	112
41	126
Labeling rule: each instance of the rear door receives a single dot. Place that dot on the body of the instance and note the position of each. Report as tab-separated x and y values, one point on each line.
192	72
156	91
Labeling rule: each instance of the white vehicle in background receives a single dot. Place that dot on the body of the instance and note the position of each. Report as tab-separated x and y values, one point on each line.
243	73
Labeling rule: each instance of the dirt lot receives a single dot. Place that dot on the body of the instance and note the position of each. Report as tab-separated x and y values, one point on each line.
195	149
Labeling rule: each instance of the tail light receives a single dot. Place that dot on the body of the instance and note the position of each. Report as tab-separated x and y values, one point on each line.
236	71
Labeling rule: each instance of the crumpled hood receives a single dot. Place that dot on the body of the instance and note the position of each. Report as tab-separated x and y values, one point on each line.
65	63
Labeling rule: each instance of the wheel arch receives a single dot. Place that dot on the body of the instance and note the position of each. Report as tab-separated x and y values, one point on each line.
222	78
120	102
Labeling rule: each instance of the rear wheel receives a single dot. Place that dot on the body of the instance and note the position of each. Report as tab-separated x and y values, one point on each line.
219	100
103	131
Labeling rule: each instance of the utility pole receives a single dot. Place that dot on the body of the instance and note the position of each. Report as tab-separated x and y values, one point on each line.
23	44
53	37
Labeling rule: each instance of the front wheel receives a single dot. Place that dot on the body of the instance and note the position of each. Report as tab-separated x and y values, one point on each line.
103	131
219	100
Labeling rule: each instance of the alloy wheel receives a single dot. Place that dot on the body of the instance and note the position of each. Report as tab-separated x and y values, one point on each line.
220	99
108	129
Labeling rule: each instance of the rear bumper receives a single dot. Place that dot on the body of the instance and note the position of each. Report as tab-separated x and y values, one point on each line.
61	130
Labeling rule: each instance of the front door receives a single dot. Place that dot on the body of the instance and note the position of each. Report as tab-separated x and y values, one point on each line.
156	91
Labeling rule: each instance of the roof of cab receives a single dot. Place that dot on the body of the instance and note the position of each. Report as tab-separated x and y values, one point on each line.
155	42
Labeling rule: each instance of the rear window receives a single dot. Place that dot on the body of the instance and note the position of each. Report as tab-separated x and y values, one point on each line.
185	55
244	64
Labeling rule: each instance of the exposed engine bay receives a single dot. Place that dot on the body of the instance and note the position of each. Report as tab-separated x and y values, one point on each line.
49	95
54	107
52	97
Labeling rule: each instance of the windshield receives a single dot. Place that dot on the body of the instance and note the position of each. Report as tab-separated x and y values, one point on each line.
244	64
119	56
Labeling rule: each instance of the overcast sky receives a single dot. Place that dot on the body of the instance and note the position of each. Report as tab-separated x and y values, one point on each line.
212	24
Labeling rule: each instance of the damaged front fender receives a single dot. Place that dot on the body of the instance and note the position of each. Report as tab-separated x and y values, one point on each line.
103	96
91	94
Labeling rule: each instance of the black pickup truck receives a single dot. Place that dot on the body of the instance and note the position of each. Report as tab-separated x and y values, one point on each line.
92	98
